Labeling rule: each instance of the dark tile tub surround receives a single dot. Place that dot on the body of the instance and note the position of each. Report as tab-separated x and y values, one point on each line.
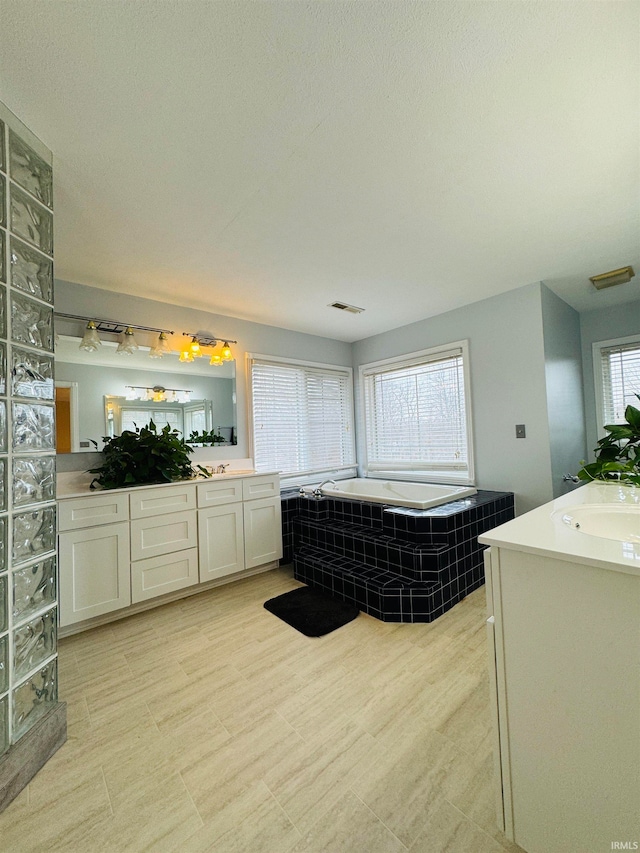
397	564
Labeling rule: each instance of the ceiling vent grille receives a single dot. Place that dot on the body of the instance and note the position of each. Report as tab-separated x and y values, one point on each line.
352	309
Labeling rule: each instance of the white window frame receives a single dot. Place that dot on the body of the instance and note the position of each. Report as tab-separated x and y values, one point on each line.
420	357
304	477
597	348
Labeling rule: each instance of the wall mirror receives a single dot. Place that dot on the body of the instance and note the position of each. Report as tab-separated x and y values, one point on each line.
101	393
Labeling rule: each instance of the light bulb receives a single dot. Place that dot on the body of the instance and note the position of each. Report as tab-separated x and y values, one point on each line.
128	345
162	346
225	354
194	348
216	360
185	355
90	341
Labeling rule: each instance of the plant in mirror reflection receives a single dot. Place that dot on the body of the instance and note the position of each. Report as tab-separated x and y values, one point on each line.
618	453
144	456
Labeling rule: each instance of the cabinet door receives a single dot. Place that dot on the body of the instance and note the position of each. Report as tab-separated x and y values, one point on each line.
220	541
262	531
94	572
160	575
153	537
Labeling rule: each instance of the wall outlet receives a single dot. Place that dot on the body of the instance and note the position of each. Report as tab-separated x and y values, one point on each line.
521	431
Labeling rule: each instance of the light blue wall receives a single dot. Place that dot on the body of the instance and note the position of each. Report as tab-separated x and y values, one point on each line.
523	354
565	402
620	321
508	385
86	301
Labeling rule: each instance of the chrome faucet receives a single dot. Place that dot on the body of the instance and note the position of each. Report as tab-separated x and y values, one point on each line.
318	491
570	478
222	468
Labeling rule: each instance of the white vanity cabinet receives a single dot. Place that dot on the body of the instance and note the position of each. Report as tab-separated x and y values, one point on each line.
262	520
163	541
564	648
239	525
93	557
120	550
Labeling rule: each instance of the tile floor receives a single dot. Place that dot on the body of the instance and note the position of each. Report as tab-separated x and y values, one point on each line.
210	725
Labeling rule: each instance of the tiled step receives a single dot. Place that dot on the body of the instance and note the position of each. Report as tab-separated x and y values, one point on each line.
429	563
379	593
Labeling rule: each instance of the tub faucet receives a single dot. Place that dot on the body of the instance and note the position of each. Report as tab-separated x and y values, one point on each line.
570	478
318	491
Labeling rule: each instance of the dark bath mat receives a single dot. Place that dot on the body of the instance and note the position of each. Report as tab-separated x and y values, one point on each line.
311	612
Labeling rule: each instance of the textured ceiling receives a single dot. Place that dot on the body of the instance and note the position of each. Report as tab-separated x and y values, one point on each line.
263	159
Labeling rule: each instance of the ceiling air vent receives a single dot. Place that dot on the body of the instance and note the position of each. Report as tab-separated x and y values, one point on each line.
352	309
609	279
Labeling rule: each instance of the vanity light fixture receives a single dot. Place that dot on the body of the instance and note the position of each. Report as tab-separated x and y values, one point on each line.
217	359
128	345
91	341
161	347
158	394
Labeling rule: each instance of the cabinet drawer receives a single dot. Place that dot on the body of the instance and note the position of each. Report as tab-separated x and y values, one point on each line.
159	575
92	511
166	499
219	492
153	537
267	486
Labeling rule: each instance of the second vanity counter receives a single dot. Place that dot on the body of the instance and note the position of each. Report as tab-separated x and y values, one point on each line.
122	550
550	531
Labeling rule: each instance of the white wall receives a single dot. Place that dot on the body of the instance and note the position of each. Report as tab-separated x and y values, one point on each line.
508	385
86	301
565	402
620	321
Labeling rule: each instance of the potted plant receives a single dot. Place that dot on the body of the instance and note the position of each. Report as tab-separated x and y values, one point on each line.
618	453
144	456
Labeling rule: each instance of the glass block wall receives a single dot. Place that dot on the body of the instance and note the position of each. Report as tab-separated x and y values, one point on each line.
28	613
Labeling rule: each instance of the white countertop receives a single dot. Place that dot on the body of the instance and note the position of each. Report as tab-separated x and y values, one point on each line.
538	532
76	484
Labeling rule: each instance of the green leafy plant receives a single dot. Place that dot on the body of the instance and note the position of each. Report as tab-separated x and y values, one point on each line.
144	456
206	437
618	453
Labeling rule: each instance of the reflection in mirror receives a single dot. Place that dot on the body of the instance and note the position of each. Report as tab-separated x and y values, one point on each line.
94	391
196	416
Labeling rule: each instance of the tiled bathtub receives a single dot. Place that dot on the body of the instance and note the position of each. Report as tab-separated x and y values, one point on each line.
397	564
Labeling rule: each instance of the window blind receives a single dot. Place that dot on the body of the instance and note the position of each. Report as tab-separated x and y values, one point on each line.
415	415
302	418
620	365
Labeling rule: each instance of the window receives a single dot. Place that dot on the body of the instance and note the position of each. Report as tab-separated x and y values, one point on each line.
617	367
416	416
302	417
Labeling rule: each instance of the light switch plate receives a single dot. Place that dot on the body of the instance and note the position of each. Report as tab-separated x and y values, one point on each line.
521	431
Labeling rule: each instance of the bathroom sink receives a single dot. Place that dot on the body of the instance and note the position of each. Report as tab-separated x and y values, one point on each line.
608	521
